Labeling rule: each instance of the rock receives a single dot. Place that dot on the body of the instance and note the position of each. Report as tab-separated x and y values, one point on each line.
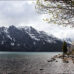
49	60
52	59
56	61
41	69
60	56
55	56
25	71
72	56
66	61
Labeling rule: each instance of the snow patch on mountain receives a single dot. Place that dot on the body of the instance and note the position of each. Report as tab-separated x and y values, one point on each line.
33	37
33	33
27	38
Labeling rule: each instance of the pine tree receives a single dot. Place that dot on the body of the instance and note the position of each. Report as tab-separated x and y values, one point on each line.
64	48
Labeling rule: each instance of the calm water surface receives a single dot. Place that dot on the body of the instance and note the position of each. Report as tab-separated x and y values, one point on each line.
33	63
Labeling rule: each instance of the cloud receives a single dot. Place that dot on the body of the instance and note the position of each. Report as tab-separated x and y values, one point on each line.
23	13
60	32
17	12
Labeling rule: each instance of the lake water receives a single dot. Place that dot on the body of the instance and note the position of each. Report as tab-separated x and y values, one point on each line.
33	63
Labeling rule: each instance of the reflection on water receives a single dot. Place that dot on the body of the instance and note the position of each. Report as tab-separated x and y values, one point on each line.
32	63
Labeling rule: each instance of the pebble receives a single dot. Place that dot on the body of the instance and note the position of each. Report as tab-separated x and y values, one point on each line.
41	69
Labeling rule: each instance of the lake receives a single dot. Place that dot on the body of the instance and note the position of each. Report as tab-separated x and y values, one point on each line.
33	63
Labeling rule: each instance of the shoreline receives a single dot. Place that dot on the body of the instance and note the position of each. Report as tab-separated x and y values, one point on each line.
44	63
65	59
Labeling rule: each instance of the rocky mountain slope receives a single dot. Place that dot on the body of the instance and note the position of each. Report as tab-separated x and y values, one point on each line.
27	39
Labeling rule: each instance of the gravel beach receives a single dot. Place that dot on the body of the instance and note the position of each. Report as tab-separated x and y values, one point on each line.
33	63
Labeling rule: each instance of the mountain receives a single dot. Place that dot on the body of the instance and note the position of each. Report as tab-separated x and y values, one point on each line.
68	40
27	39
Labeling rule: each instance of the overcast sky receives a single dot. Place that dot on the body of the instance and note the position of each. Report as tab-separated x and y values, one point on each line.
23	13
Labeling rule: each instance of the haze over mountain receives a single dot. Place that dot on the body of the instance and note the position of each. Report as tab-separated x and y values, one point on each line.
24	13
27	39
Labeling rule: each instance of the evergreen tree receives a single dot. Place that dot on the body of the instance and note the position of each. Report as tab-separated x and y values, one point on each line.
64	48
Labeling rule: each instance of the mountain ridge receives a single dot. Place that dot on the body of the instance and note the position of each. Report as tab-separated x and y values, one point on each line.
27	39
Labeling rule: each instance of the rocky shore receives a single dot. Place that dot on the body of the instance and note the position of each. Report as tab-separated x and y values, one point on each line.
36	63
65	59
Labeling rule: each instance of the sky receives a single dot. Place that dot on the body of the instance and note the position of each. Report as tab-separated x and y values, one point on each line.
23	13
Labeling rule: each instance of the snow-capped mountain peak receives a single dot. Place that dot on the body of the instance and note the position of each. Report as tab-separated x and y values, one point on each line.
26	38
